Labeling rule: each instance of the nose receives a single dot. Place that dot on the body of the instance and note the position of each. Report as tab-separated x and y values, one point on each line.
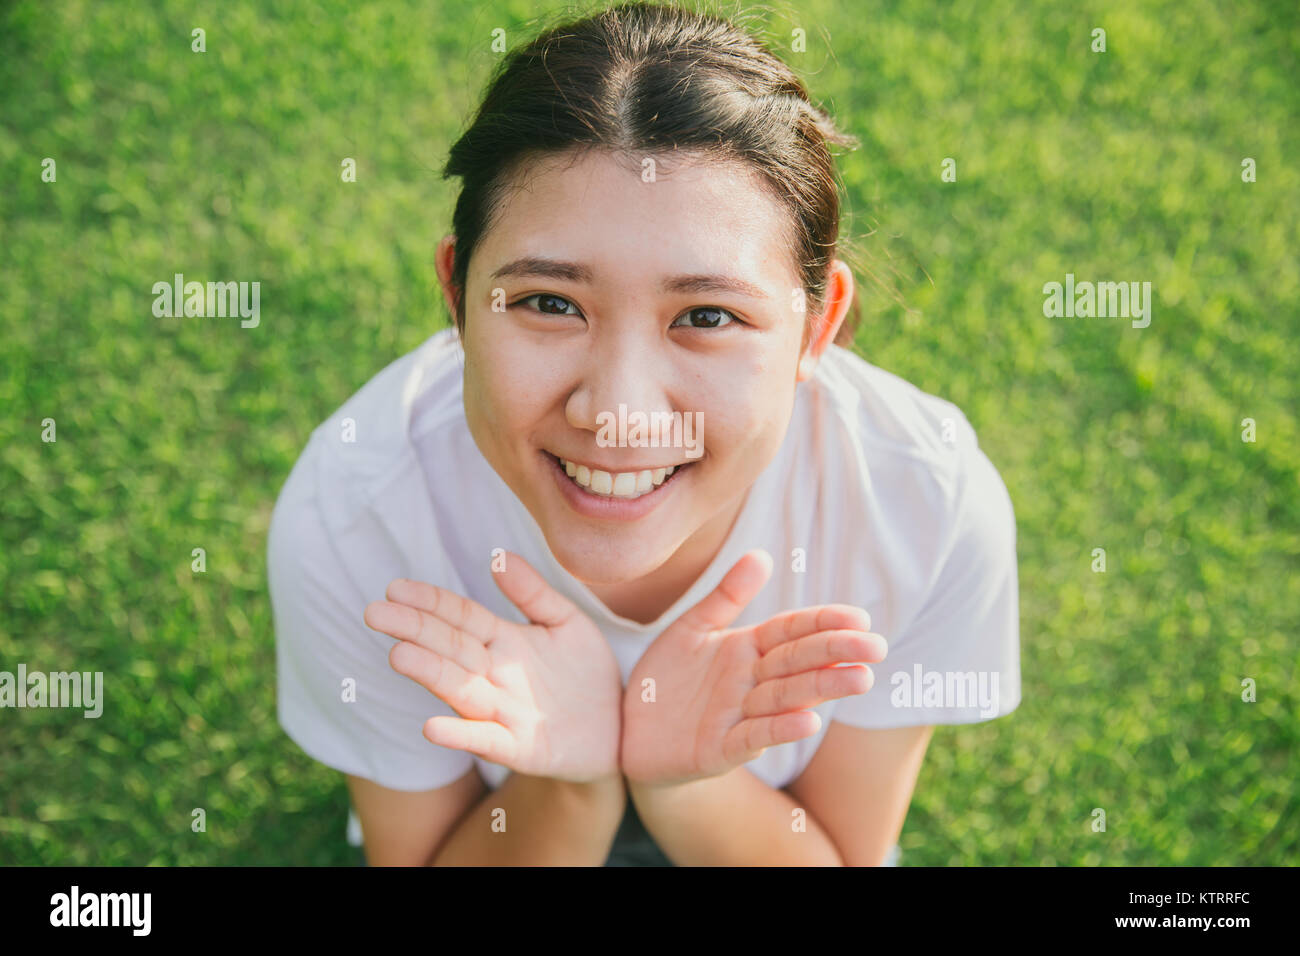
620	368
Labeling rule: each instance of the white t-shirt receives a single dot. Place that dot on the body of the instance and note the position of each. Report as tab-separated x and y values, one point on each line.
879	497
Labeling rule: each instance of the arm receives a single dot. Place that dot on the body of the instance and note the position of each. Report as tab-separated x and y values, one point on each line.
731	820
859	785
547	822
855	793
406	828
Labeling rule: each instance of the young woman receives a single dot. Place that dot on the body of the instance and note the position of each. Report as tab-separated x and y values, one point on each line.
655	644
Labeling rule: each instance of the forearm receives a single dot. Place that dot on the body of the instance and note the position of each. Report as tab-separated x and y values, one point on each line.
732	820
537	821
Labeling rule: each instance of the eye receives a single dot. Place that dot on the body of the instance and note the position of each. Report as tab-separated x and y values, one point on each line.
707	317
549	304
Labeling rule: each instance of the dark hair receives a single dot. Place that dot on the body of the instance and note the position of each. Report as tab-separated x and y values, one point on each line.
646	78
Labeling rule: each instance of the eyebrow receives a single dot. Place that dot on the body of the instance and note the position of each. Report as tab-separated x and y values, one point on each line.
544	268
541	267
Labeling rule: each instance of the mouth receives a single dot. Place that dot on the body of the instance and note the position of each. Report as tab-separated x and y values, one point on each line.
604	494
620	484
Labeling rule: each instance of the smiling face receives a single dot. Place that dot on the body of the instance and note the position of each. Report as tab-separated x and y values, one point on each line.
671	296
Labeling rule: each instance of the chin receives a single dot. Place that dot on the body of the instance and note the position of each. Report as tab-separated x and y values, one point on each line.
606	563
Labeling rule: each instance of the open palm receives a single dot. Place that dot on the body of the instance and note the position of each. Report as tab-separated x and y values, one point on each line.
706	698
540	698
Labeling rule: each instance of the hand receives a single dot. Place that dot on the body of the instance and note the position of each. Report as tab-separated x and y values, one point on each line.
542	698
722	696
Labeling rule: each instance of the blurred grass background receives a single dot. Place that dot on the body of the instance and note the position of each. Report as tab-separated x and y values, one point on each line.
178	433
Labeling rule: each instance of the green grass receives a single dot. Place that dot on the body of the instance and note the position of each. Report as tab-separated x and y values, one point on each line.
176	434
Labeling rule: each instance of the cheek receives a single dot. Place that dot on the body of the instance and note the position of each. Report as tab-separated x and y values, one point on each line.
743	417
486	409
492	388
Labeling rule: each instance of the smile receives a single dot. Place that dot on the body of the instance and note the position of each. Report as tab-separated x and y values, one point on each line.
626	495
617	484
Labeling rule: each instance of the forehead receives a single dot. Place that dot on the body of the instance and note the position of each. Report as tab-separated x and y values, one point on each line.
620	215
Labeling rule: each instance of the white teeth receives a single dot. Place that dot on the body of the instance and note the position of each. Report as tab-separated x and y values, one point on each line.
623	484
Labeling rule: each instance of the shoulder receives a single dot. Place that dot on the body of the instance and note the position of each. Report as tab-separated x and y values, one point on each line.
892	415
922	477
358	477
361	450
370	434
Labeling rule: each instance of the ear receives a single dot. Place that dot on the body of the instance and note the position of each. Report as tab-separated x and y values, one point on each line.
445	259
839	296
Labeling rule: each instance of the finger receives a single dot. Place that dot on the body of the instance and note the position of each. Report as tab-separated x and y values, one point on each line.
793	625
808	689
750	737
486	738
737	588
399	618
470	695
460	612
528	591
822	649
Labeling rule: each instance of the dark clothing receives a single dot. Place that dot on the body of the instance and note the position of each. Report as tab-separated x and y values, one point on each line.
633	845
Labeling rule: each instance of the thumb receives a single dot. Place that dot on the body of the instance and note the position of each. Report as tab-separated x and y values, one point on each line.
737	588
528	591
